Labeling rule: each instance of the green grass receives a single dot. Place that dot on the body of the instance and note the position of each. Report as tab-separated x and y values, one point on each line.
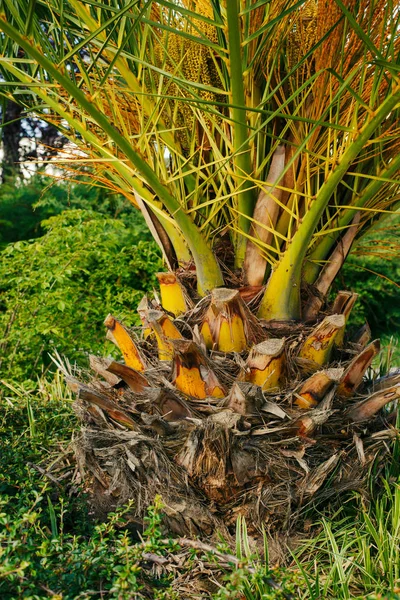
357	551
390	355
50	546
373	272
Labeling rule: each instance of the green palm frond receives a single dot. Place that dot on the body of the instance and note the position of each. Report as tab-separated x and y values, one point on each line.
183	104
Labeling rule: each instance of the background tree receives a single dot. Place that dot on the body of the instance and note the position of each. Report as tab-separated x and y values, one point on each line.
258	139
10	137
26	138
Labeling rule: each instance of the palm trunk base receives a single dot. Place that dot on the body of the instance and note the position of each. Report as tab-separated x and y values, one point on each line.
119	466
263	455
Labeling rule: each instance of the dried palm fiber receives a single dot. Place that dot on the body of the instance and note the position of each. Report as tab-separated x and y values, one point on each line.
194	62
249	451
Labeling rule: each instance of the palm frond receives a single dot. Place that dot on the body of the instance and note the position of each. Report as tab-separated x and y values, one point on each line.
183	103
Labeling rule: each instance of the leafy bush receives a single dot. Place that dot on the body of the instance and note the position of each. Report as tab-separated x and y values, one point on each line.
46	561
56	290
23	206
373	271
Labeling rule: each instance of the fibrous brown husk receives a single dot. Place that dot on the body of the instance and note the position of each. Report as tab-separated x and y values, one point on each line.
261	455
121	465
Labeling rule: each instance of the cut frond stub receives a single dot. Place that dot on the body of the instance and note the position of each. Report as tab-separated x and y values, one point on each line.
165	331
343	305
368	408
266	364
173	296
134	380
242	402
191	373
316	387
228	324
356	370
119	335
320	343
362	336
101	403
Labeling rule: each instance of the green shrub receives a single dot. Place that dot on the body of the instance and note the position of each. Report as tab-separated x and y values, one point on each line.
373	271
42	561
23	206
55	291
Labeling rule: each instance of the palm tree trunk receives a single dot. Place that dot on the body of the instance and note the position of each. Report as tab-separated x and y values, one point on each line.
11	138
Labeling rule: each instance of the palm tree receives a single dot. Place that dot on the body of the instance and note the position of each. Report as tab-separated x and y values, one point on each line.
259	139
